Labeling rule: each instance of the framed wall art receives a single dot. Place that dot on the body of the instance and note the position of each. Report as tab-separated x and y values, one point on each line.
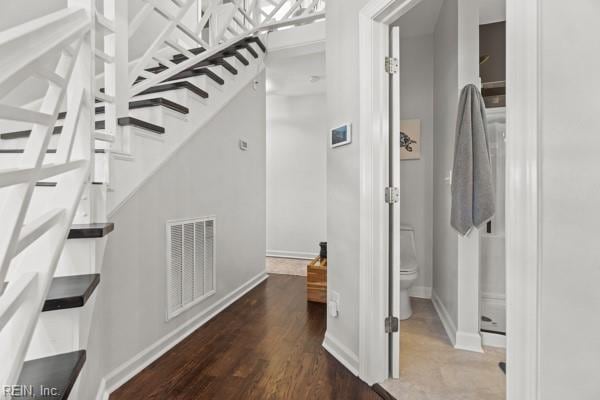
410	139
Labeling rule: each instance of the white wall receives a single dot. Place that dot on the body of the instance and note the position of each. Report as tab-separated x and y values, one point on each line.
343	177
456	259
296	174
16	12
416	102
208	176
445	240
570	194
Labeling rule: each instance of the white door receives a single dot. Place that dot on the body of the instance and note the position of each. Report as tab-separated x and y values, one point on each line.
394	205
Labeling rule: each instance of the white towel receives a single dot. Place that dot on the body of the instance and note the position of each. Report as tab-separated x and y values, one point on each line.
473	200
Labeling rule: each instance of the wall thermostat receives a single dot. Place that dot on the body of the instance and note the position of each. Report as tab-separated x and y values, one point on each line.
341	135
243	145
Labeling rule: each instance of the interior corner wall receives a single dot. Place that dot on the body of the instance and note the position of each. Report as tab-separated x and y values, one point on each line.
207	176
569	194
416	102
296	174
343	174
446	92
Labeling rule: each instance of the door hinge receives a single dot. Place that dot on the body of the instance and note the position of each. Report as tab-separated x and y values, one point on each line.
391	65
392	195
391	325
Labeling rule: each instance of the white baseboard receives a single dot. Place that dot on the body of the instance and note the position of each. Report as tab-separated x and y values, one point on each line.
133	366
343	354
421	292
500	297
445	317
291	254
493	339
102	393
460	340
468	341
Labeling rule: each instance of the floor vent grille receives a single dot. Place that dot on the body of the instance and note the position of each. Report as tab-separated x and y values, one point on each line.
190	263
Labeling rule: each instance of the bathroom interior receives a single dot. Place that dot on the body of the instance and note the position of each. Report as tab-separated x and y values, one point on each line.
428	243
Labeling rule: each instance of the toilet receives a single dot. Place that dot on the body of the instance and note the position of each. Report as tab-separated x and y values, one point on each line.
409	269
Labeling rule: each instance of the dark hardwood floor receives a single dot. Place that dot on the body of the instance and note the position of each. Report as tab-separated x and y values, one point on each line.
267	345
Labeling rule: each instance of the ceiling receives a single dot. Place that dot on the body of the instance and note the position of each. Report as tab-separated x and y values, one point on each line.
421	19
492	11
296	75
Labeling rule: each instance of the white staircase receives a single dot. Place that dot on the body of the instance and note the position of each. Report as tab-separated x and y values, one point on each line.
70	159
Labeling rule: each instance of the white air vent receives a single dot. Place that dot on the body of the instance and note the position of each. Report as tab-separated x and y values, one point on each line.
190	263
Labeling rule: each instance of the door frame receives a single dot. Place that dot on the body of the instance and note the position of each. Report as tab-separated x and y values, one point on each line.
523	203
374	20
523	258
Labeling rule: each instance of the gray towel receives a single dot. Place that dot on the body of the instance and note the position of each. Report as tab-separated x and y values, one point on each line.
472	187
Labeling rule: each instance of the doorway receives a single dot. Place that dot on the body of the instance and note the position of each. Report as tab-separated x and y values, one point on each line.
296	149
375	19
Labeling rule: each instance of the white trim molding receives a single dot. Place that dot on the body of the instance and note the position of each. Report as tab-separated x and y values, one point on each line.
300	255
374	20
341	353
445	317
522	199
117	377
468	336
468	341
493	339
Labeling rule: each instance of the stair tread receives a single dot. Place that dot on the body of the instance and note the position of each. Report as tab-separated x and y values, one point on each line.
197	72
256	39
49	151
246	45
70	291
132	121
159	101
58	372
174	86
153	102
22	134
123	121
91	231
216	59
225	64
177	58
235	52
211	61
53	184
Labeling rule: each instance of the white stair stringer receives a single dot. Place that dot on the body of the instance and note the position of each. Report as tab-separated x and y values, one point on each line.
148	151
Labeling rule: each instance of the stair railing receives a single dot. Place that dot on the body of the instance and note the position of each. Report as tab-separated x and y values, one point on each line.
31	241
228	23
111	23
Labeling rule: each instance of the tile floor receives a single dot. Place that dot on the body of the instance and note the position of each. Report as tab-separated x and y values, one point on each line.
431	369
